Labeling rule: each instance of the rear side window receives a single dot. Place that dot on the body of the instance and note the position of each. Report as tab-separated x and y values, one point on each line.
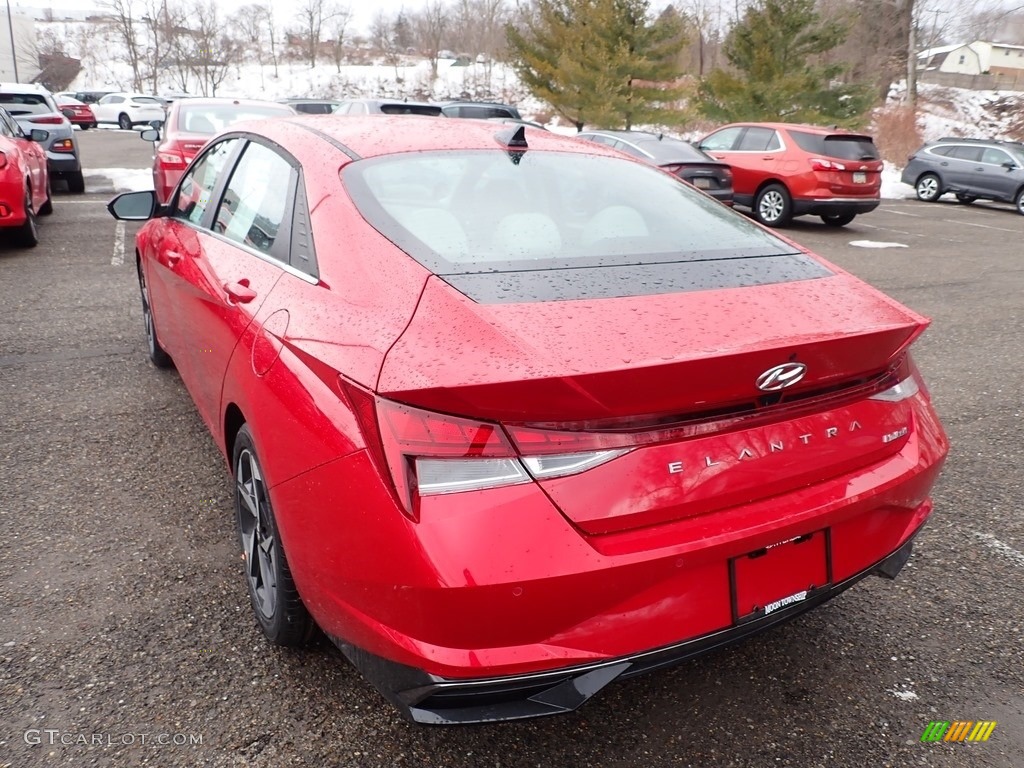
972	154
840	146
759	140
583	225
942	151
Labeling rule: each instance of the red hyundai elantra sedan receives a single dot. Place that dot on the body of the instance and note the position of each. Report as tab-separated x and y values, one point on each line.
511	416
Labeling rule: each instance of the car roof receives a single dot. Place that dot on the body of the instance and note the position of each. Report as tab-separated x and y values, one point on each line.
378	135
822	129
217	101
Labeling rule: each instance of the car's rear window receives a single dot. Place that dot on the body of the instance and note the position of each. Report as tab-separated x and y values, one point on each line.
25	103
673	150
479	111
210	119
410	109
840	146
598	219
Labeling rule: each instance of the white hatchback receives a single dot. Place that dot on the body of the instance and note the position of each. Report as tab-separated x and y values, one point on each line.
127	110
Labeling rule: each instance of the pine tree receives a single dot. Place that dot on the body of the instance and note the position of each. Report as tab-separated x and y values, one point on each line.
776	50
600	62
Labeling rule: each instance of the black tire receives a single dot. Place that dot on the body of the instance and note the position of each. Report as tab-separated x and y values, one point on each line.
47	207
276	604
86	126
839	219
124	122
157	354
773	206
76	182
965	199
27	235
928	188
1018	201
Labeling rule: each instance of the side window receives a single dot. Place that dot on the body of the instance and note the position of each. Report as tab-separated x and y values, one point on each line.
253	206
722	141
995	157
629	149
944	151
758	140
973	154
197	186
5	128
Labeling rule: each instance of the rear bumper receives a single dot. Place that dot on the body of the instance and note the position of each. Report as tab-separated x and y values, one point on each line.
835	206
434	700
63	162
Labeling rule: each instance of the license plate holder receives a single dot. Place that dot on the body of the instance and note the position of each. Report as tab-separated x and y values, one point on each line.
860	177
775	577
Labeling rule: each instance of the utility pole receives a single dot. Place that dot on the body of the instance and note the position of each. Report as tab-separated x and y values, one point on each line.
907	7
14	53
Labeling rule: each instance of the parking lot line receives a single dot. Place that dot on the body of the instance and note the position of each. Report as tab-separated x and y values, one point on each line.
982	226
118	258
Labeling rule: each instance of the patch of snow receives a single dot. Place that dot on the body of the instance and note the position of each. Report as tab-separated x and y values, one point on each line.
892	187
904	695
876	244
125	179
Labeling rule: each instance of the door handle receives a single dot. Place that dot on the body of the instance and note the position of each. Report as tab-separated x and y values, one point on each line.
943	163
768	157
173	257
240	291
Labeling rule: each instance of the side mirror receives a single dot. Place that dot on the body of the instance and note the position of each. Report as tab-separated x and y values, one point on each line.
38	135
150	134
1010	165
133	206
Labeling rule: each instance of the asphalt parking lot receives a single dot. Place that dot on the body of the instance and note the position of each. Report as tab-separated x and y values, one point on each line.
123	611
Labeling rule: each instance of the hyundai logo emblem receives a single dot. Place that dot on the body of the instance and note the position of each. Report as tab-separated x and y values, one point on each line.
781	376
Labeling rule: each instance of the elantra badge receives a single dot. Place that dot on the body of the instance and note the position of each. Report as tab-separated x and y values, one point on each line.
781	376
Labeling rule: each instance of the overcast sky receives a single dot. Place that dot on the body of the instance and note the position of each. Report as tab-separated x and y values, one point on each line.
363	11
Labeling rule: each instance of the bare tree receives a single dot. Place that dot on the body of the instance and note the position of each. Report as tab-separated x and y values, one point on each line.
162	23
252	20
123	19
382	33
429	27
340	18
479	26
272	33
312	14
207	51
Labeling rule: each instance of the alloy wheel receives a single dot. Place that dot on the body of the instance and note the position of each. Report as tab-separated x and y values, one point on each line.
257	534
771	206
928	188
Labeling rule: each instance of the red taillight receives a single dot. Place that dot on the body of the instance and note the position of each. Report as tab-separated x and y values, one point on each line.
727	173
171	158
821	164
63	145
430	454
51	120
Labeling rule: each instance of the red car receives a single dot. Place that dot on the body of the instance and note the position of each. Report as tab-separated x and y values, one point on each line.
782	170
190	123
78	112
511	416
24	181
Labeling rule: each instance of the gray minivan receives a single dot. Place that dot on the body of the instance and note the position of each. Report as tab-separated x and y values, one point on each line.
972	169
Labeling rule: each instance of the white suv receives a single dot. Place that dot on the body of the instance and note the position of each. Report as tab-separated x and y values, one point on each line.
128	109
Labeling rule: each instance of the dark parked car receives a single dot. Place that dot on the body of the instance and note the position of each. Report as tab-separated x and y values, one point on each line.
484	110
972	169
673	155
86	97
388	107
312	106
33	107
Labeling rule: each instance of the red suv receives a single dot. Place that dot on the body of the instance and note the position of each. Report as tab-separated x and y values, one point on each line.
782	170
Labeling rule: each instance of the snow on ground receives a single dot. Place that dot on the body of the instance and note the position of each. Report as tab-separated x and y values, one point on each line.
892	187
119	179
876	244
